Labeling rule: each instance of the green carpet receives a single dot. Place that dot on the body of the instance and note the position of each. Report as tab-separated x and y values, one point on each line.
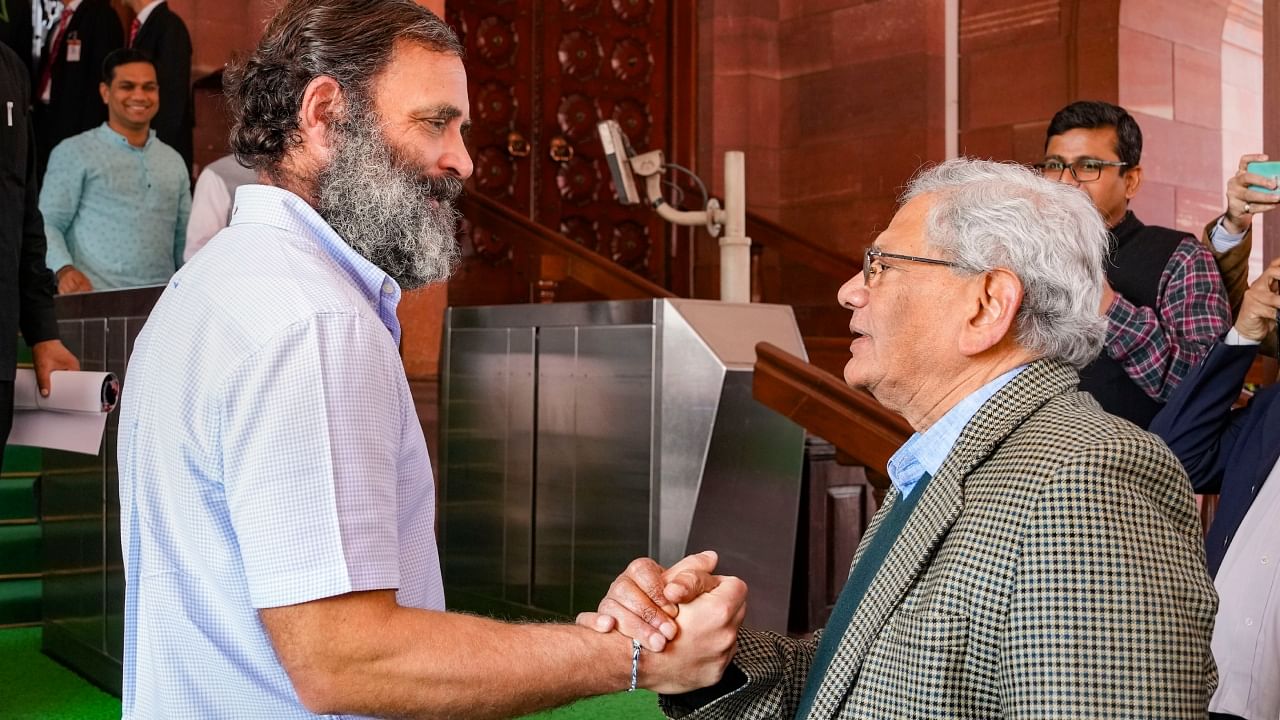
34	687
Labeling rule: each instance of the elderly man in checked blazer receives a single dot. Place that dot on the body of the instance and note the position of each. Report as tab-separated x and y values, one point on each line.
1036	556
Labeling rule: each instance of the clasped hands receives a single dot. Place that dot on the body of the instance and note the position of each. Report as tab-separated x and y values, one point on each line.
684	615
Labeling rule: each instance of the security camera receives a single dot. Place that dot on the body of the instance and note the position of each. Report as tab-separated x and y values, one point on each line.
617	152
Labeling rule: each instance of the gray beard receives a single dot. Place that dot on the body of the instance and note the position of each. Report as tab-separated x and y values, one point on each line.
380	203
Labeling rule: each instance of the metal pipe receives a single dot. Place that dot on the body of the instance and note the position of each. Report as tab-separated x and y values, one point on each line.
951	52
735	246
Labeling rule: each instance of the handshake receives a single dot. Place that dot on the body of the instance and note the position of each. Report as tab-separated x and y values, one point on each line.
685	616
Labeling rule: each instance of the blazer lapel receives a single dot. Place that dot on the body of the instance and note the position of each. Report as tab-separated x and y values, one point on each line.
933	517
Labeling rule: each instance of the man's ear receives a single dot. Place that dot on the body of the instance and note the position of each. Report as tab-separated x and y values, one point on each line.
1132	181
322	104
993	315
103	89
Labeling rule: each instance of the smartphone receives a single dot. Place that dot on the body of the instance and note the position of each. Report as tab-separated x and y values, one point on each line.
1269	169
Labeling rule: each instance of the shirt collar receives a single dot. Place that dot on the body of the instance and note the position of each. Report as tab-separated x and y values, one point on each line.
145	12
279	208
112	136
925	452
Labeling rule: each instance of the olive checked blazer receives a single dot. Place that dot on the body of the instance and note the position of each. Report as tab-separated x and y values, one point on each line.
1054	568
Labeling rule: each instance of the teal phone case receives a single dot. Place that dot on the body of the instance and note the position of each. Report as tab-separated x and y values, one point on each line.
1270	169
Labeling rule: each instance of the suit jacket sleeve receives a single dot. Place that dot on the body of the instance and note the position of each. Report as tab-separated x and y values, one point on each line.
35	316
173	71
1233	264
108	37
775	668
1075	644
1198	423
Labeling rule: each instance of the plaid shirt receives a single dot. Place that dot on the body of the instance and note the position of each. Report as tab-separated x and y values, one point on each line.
1158	346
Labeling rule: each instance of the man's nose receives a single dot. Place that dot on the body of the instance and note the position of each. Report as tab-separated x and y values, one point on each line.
456	159
853	294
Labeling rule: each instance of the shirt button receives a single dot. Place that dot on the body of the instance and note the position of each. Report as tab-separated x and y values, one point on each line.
1265	559
1248	622
388	288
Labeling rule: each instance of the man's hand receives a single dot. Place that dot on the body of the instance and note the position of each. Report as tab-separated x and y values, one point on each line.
708	640
48	356
1243	203
71	280
643	600
1261	301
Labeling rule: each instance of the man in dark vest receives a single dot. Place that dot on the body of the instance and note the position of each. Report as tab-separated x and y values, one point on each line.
1164	302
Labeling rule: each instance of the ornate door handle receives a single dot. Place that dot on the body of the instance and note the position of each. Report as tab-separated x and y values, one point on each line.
561	151
517	145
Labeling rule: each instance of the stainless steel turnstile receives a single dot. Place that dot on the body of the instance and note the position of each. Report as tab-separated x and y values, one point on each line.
578	436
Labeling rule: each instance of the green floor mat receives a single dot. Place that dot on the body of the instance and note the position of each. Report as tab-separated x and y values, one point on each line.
36	687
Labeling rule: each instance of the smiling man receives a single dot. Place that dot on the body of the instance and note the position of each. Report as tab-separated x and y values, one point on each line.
1164	299
116	199
277	503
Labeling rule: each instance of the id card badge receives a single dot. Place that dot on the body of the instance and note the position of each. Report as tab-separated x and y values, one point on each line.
73	50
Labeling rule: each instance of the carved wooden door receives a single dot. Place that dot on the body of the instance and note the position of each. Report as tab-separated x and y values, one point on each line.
541	75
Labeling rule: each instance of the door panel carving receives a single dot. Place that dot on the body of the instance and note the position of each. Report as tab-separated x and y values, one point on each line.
541	76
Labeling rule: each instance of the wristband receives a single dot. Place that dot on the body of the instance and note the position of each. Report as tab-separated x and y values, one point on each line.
635	664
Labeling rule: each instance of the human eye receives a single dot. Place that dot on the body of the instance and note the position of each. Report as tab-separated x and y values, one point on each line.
1054	165
1089	164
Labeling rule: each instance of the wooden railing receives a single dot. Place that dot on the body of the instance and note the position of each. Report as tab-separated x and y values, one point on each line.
858	426
547	260
768	236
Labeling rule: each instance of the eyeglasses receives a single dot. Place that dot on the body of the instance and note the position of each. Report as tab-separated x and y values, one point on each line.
1083	170
872	268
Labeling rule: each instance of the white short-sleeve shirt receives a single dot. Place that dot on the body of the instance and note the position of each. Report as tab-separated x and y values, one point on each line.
269	455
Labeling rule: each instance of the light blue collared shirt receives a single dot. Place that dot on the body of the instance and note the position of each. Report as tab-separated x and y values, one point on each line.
926	451
115	212
269	455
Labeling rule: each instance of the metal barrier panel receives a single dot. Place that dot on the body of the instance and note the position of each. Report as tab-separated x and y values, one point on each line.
638	435
83	604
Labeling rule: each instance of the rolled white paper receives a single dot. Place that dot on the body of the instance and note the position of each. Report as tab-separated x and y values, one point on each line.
71	418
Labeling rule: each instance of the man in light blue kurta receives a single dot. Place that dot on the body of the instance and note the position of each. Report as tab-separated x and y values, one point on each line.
116	199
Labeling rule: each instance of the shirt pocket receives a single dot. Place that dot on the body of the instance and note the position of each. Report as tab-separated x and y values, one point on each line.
930	650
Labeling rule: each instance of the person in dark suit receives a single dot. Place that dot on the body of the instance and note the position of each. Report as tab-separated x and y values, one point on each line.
26	285
161	34
67	99
1233	453
15	28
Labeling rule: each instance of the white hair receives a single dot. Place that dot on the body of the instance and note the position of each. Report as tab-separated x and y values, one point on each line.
988	215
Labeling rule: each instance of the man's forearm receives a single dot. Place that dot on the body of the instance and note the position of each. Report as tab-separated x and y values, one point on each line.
404	662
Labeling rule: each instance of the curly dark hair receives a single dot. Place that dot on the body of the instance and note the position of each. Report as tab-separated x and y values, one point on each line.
1094	114
350	41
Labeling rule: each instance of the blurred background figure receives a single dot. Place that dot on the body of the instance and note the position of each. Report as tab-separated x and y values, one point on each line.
66	93
213	200
161	34
115	198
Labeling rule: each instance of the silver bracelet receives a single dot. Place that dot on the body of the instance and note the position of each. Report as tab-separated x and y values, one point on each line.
635	664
